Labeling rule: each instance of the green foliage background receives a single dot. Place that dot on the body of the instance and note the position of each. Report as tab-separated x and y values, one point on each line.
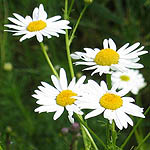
23	129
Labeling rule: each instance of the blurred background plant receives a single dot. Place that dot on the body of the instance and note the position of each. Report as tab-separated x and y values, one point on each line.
23	67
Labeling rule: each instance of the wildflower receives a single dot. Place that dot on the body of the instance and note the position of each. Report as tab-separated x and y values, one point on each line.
38	25
132	80
112	103
109	58
56	99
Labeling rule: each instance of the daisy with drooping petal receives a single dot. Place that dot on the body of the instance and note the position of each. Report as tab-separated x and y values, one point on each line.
112	103
132	80
38	25
56	99
109	58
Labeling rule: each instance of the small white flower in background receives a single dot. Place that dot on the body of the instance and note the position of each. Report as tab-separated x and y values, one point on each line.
132	80
109	58
112	103
56	99
38	25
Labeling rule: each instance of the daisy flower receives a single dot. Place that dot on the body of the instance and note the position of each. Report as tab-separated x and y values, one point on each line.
109	58
114	105
60	97
132	80
38	25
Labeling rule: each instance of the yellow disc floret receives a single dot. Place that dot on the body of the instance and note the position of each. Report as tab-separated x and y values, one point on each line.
106	57
36	26
65	98
111	101
124	78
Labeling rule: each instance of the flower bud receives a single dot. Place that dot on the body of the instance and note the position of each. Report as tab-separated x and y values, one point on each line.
8	129
75	128
88	1
64	131
8	66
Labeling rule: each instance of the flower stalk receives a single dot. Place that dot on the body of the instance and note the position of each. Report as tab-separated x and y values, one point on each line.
48	59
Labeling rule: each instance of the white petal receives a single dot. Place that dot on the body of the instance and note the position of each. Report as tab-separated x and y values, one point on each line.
126	117
27	36
35	14
122	118
94	113
58	113
70	114
42	13
63	79
121	50
112	44
72	84
123	92
109	114
117	121
56	82
45	109
14	27
39	36
105	43
52	19
79	82
128	99
20	33
19	17
103	85
52	89
15	21
28	19
131	48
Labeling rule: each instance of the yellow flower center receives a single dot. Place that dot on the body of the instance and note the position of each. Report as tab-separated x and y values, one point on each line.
106	57
64	98
111	101
36	26
124	78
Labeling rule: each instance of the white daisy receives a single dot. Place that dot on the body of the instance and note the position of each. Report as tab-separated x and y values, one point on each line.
109	58
56	99
112	103
132	80
38	25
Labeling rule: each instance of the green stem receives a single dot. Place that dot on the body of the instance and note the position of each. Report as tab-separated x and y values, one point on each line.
108	80
108	133
70	8
133	130
77	23
4	35
91	131
138	137
114	135
48	59
67	41
148	135
138	131
85	132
